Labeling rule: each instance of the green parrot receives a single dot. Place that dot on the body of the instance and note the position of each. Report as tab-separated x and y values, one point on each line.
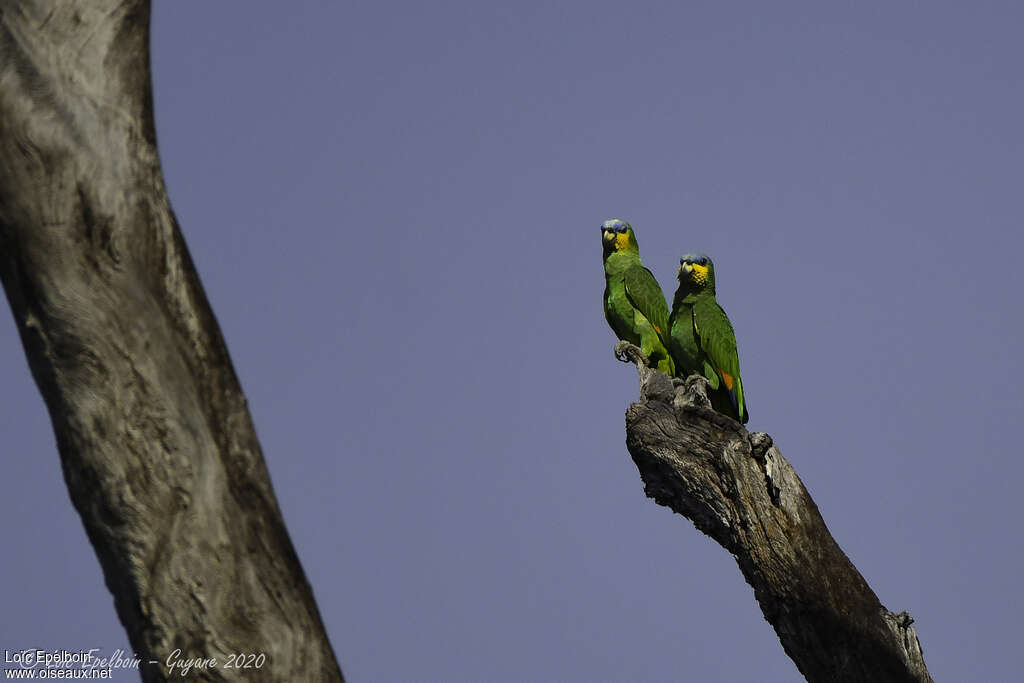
634	304
702	341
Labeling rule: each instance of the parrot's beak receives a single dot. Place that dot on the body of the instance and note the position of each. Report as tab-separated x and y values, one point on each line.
685	268
607	235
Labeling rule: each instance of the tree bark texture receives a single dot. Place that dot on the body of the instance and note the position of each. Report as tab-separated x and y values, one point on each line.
737	488
156	442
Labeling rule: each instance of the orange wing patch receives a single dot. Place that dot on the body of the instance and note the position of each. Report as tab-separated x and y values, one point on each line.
656	328
727	378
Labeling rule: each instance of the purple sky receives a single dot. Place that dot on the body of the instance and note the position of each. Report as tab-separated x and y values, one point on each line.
394	209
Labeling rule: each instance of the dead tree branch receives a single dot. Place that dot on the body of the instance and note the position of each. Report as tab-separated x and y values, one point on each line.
738	489
157	446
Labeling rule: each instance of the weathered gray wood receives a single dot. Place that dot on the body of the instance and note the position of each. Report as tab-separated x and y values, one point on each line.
738	489
156	442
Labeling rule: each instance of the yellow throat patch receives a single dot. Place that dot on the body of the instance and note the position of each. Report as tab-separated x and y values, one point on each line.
699	273
621	241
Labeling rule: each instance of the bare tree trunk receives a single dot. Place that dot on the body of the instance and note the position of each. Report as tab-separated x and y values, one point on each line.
738	489
156	442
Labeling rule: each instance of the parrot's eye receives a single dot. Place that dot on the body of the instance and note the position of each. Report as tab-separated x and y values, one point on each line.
703	261
622	228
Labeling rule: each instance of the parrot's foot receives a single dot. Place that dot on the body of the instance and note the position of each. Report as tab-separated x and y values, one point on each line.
691	396
695	390
654	384
630	353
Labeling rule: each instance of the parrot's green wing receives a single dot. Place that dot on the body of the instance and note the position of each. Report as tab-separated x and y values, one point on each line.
718	342
644	292
685	349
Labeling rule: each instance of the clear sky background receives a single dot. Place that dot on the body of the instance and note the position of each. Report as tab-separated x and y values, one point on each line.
394	209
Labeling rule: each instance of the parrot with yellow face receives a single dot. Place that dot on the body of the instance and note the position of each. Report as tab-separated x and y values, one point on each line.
634	304
702	340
